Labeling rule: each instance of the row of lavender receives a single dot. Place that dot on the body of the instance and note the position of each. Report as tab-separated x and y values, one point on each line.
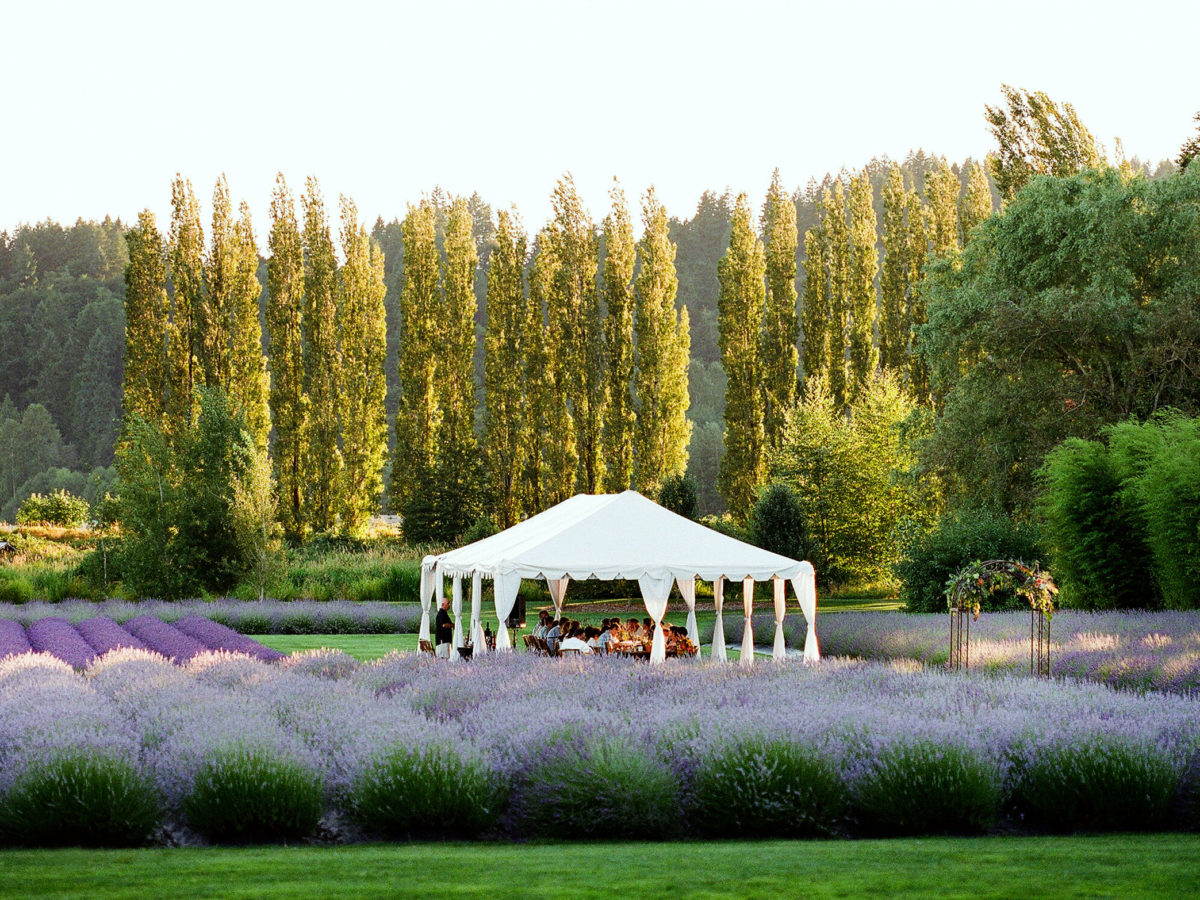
229	747
245	617
1142	651
82	643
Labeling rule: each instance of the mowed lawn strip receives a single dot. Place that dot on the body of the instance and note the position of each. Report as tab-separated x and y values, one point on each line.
1127	866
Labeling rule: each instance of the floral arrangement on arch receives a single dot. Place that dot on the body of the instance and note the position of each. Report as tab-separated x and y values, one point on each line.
966	589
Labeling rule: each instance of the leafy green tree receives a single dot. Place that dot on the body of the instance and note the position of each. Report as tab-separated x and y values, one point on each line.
29	444
215	311
285	328
777	523
178	532
186	269
815	309
915	310
894	274
1191	148
418	419
506	435
619	259
1036	136
1074	309
363	341
837	261
96	396
861	300
678	494
253	508
662	429
777	344
456	454
149	331
249	384
575	319
322	364
742	272
941	210
975	205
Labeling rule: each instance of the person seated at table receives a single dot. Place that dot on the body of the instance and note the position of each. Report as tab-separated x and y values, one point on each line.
591	634
648	628
575	641
633	630
554	634
543	624
609	635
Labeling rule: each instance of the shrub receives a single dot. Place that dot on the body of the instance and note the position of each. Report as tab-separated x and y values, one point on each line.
426	791
248	795
935	556
608	789
59	508
678	494
1098	784
766	788
14	588
777	523
80	798
725	525
925	788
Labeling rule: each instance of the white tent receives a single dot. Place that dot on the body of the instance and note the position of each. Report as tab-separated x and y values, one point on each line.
609	536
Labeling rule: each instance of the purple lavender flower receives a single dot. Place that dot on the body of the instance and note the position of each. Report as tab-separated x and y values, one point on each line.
58	637
166	639
104	635
12	638
216	636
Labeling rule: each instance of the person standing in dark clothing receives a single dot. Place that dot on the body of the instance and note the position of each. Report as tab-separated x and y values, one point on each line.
443	629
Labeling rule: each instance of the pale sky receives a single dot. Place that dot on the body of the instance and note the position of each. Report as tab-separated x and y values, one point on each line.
105	102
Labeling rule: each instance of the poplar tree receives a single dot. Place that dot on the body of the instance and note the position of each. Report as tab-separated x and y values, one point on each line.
837	235
915	307
456	452
248	382
362	333
862	301
662	429
322	363
505	347
814	308
418	418
289	403
186	260
894	274
149	338
574	318
976	202
215	309
941	210
619	260
553	458
742	275
777	344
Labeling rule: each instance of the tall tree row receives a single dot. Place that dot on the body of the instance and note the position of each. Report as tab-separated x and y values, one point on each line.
619	260
777	345
662	429
742	273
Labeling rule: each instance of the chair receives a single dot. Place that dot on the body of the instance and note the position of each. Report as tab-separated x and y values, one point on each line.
531	643
427	647
570	651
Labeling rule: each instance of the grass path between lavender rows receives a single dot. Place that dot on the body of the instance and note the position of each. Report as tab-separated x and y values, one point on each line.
1126	866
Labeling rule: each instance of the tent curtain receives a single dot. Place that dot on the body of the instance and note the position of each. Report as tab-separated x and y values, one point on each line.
477	639
456	599
779	651
747	658
805	585
505	588
718	640
687	587
426	597
655	593
558	590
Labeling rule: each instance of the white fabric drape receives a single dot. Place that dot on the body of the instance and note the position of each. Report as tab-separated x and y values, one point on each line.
779	651
426	597
505	588
718	641
805	585
655	593
687	587
456	608
477	639
747	658
558	590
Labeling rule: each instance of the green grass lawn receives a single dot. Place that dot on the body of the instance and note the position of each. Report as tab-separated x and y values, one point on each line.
1126	866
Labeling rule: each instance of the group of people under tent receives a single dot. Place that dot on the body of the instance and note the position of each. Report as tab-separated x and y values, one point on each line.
567	634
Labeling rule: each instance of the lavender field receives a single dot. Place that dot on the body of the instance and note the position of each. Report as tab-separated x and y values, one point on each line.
1138	650
511	745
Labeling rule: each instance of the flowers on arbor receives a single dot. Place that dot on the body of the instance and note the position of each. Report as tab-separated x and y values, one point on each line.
967	589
